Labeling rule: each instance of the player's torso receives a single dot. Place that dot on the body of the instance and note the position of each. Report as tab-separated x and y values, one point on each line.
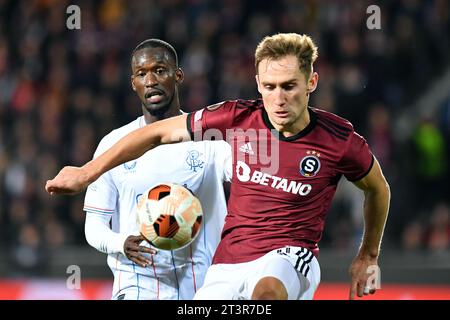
287	172
191	164
281	190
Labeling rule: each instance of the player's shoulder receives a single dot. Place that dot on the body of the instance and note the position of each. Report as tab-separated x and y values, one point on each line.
118	133
332	123
218	146
332	118
212	147
252	105
238	105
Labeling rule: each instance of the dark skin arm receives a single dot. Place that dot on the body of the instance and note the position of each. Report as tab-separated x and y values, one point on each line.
376	206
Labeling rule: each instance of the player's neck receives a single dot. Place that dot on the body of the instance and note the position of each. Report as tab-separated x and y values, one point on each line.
172	112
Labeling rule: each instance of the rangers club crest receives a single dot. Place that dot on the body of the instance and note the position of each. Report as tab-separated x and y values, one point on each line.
310	165
194	161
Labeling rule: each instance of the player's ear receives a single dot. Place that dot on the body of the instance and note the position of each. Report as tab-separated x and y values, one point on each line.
312	82
179	76
257	83
132	82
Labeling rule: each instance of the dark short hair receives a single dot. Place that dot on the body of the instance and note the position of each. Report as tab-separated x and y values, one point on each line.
156	43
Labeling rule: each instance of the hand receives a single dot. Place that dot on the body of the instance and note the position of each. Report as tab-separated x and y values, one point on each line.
133	250
70	180
359	273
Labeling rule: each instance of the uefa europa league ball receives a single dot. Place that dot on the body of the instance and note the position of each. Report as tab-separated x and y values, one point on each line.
169	216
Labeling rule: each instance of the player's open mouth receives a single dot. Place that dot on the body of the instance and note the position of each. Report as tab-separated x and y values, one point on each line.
154	96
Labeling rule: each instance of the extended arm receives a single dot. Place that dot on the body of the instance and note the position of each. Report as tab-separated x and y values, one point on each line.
72	180
376	206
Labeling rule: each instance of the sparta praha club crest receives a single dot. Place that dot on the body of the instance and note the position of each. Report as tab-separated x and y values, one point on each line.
310	165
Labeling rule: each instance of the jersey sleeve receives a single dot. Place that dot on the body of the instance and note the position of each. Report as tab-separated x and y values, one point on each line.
223	159
100	236
357	159
211	123
101	195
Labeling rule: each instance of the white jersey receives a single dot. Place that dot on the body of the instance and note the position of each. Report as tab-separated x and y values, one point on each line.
200	166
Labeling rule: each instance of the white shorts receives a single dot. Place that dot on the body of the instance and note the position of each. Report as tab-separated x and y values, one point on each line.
179	285
295	267
133	286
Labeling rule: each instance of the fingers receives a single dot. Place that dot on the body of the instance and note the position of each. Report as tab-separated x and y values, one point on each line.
139	259
366	290
54	190
353	290
133	251
147	250
150	250
136	256
59	191
369	290
360	289
48	187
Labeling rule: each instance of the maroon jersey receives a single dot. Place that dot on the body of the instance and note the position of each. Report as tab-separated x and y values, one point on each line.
282	187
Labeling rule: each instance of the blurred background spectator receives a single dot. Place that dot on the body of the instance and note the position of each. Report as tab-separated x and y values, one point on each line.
62	90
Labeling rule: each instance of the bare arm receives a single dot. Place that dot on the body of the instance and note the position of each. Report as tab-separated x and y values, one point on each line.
72	180
376	206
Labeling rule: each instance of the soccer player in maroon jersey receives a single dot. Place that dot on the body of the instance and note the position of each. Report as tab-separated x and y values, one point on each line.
288	159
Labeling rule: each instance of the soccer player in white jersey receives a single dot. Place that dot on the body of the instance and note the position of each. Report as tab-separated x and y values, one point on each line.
202	167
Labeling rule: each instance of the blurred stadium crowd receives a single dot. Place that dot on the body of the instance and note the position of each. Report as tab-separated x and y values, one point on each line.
62	90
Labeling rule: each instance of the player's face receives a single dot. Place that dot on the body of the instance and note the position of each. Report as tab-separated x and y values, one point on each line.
285	93
155	78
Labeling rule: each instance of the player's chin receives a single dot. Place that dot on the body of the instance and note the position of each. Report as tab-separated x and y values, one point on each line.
282	122
157	108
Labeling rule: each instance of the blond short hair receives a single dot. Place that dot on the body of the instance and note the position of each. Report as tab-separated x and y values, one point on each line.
284	44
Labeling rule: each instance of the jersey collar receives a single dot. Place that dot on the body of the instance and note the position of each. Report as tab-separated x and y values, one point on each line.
302	133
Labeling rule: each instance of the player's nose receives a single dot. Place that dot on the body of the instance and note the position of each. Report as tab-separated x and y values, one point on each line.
150	80
279	98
